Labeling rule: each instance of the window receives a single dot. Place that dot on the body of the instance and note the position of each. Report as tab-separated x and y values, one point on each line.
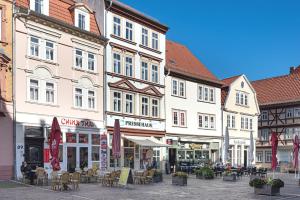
207	121
38	6
117	63
246	100
129	103
155	41
178	88
155	112
34	90
91	99
78	58
117	101
206	94
251	124
49	51
264	115
289	132
297	112
145	106
246	123
49	92
81	21
290	113
145	71
264	135
129	31
233	121
117	26
228	121
144	37
237	98
242	123
179	118
78	97
91	61
259	156
212	122
128	67
241	98
34	46
200	118
268	156
154	72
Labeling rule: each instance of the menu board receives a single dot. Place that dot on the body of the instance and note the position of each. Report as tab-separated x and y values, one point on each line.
103	154
126	176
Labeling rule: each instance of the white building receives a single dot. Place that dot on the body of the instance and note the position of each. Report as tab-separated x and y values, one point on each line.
135	92
193	107
240	112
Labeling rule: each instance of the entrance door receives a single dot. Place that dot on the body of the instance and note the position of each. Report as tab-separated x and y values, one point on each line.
83	157
34	152
172	158
245	158
71	162
129	157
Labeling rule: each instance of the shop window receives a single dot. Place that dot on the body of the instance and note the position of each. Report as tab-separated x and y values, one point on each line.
71	137
189	154
83	138
128	143
95	139
95	153
181	155
156	156
61	153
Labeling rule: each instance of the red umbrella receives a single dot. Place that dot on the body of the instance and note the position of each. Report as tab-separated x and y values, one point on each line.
116	141
274	144
296	151
55	137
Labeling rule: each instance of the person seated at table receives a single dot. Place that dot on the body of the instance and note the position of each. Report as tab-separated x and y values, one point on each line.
27	171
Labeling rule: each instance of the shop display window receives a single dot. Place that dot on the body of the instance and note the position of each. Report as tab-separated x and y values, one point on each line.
95	139
84	138
181	154
71	137
95	153
189	154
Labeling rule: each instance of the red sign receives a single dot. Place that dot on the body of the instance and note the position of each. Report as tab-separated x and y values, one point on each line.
169	141
46	155
77	123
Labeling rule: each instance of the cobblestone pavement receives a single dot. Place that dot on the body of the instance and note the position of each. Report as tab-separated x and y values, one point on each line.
197	189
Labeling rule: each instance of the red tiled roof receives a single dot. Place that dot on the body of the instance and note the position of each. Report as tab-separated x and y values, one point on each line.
276	90
181	60
59	9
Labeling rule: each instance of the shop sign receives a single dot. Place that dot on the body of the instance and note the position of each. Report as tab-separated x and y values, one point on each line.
77	123
139	124
239	142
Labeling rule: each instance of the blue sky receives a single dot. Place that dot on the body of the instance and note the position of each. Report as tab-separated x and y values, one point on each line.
259	38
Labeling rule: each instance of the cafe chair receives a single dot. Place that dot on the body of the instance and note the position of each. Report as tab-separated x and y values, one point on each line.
75	180
55	182
64	181
41	175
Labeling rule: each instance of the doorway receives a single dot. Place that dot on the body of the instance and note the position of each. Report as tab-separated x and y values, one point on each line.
71	162
245	158
172	159
34	152
77	157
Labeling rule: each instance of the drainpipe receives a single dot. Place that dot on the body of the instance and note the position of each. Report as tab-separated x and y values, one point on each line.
165	103
16	14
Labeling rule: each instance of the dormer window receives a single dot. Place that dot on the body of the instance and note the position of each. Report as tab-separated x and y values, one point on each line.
82	19
40	6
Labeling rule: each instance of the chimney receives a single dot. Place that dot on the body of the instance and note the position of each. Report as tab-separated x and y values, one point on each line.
292	69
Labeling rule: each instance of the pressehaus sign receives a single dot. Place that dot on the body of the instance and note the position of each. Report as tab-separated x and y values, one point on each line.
138	124
77	123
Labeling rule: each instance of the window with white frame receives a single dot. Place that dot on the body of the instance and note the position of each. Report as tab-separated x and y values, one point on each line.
84	98
264	115
259	156
50	92
289	112
155	108
78	97
49	50
145	106
129	103
117	26
78	58
41	48
129	31
91	99
91	62
82	19
128	66
34	90
268	155
241	98
228	121
246	123
84	60
34	46
289	132
242	123
117	63
251	124
297	112
178	88
117	101
145	37
144	71
40	6
264	135
206	94
206	121
179	118
231	120
154	73
155	41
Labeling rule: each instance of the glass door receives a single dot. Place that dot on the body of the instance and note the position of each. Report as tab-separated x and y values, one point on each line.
71	162
83	157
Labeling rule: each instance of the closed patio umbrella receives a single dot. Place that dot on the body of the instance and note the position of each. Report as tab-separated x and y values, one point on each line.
116	141
274	144
226	145
251	148
296	152
55	137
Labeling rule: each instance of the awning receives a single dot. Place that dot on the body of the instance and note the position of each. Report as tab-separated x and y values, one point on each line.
146	141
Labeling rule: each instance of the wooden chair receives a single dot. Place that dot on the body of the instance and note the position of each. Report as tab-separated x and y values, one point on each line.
64	181
75	180
41	175
55	182
149	177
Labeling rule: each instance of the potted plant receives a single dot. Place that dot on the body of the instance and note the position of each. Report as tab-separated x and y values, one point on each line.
157	177
268	186
229	176
179	178
204	173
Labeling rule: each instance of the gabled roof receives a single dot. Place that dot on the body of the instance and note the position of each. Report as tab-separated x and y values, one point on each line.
181	60
62	11
228	81
278	90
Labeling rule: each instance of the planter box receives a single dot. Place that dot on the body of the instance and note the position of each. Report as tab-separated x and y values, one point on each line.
157	178
179	180
267	190
229	178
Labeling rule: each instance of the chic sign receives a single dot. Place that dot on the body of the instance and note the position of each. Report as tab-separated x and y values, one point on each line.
77	123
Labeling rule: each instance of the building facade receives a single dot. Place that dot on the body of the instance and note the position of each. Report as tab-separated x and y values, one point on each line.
6	92
135	92
59	73
240	112
279	101
193	108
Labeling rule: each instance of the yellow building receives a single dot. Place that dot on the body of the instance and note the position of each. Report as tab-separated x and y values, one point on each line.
6	105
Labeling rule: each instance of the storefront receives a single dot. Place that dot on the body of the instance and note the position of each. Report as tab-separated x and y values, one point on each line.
239	152
80	146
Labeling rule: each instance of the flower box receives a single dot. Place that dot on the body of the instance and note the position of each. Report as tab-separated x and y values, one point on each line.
179	180
267	190
231	177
